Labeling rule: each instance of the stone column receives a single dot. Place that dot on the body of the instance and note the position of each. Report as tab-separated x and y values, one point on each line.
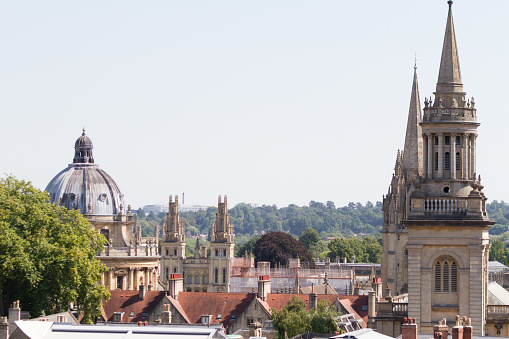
130	278
465	156
136	278
453	156
424	156
440	155
472	154
430	155
113	285
477	303
146	279
414	282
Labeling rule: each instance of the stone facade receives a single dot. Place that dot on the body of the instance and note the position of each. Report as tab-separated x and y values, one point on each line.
132	260
435	234
200	273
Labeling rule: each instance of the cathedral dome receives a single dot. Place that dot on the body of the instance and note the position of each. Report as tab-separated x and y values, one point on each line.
84	186
83	141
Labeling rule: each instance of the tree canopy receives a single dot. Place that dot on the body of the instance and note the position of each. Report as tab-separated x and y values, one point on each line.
279	248
293	319
47	254
366	250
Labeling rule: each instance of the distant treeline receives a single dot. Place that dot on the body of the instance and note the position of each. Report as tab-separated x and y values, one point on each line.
328	220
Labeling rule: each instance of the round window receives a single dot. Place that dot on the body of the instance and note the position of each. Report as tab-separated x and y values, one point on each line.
446	189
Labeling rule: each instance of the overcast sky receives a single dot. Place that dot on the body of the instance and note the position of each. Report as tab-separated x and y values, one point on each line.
269	102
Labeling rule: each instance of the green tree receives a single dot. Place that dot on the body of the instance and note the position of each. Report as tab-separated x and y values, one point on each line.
497	252
292	320
309	237
47	254
141	213
248	247
323	318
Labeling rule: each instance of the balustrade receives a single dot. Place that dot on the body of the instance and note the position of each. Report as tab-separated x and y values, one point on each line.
445	206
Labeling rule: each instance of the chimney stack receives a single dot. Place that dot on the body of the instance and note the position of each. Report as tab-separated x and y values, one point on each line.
409	329
313	298
441	331
166	316
4	328
263	287
357	289
142	292
176	285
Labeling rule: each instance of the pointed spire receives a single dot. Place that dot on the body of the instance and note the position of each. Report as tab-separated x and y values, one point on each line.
449	77
412	153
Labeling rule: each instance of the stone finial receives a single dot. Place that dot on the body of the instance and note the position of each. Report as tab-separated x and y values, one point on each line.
128	208
458	320
89	208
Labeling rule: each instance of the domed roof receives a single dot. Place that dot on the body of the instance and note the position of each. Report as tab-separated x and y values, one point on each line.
86	187
83	141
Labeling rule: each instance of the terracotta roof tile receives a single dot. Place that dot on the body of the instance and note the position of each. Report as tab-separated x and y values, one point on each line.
129	301
196	304
179	308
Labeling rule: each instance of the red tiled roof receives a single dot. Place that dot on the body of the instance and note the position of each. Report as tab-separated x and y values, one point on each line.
129	301
357	302
196	304
178	307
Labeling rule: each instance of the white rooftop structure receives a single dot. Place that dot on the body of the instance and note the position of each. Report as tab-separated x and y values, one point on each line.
50	330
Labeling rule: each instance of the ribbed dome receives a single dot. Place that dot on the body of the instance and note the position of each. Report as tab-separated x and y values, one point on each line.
83	183
83	141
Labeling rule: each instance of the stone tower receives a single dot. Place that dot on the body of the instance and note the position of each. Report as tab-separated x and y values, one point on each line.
173	246
221	249
435	222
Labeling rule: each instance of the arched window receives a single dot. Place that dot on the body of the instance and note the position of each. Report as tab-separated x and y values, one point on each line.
224	275
446	275
436	161
447	161
205	279
189	279
458	161
216	273
196	279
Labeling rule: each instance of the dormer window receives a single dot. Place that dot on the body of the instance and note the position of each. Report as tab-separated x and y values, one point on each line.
131	314
219	317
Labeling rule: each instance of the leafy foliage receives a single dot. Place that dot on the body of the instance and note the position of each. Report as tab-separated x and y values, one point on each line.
279	247
47	253
366	250
293	319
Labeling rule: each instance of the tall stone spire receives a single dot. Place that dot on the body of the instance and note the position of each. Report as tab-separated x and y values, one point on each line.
449	77
412	153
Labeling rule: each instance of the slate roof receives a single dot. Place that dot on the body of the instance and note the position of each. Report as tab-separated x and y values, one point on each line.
129	301
497	295
196	304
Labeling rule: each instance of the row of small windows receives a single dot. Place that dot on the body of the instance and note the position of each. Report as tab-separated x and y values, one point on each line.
446	276
447	161
447	140
189	279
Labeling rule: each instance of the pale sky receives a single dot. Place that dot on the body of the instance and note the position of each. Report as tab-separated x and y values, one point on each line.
269	102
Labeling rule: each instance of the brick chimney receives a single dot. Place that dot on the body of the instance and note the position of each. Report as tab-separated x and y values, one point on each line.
263	287
142	292
463	329
441	331
409	329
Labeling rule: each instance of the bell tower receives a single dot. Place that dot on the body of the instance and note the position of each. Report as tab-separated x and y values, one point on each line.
173	245
221	249
436	225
